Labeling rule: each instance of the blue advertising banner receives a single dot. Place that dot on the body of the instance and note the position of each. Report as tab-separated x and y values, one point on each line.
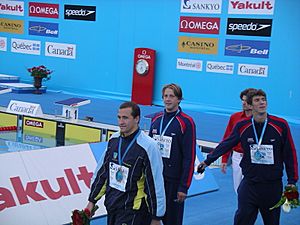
247	48
43	29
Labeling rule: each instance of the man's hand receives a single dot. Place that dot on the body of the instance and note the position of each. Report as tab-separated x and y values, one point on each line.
90	206
201	167
180	197
155	222
223	167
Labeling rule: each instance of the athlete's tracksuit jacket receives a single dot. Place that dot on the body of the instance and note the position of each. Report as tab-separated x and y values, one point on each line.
278	135
180	165
145	180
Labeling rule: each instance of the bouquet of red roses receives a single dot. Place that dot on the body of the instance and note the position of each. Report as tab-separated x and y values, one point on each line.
82	217
289	199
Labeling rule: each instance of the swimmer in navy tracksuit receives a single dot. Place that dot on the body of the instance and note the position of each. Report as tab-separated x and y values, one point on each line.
130	174
268	147
175	134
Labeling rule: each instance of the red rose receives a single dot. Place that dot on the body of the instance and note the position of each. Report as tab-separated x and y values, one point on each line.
290	195
76	218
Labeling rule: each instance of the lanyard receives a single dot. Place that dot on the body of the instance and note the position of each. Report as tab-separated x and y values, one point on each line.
166	127
127	149
262	132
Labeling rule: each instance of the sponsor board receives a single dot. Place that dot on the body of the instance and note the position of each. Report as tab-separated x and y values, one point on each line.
189	64
43	29
29	186
253	70
250	27
80	12
11	26
24	108
3	44
39	9
219	67
201	25
25	46
60	50
247	48
254	7
201	6
198	45
15	8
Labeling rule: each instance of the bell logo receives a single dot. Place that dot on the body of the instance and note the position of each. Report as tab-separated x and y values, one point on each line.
30	190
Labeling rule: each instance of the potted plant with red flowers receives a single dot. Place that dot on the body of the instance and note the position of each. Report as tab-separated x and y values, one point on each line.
39	73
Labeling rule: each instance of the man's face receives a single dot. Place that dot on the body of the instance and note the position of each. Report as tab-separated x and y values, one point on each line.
245	105
126	122
170	100
259	104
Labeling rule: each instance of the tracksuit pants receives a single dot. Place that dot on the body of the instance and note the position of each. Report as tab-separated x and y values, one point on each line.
129	216
174	210
254	197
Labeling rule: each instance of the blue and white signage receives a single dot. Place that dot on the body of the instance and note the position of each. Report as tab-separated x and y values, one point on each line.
43	29
201	6
247	48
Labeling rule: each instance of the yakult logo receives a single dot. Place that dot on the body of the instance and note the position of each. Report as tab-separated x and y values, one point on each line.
202	25
43	10
12	8
41	190
263	7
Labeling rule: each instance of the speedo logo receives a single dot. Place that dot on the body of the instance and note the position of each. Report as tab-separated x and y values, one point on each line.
250	27
80	12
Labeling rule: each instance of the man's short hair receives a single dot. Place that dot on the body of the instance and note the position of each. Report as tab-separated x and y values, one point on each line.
135	109
256	92
176	89
245	92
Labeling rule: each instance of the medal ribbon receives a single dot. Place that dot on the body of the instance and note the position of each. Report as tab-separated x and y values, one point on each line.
121	159
166	127
262	132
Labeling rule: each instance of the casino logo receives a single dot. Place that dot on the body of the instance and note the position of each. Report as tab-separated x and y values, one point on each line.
198	45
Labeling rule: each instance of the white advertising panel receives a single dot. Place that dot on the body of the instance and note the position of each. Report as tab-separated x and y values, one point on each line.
189	64
3	44
253	70
45	186
254	7
24	108
219	67
15	8
60	50
25	46
201	6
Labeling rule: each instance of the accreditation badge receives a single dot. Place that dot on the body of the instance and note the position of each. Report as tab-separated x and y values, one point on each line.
262	154
118	176
164	144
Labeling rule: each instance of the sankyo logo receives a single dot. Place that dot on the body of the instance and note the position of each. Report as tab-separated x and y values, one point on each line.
250	27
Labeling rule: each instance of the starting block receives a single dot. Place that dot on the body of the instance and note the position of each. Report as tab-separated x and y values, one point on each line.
71	107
